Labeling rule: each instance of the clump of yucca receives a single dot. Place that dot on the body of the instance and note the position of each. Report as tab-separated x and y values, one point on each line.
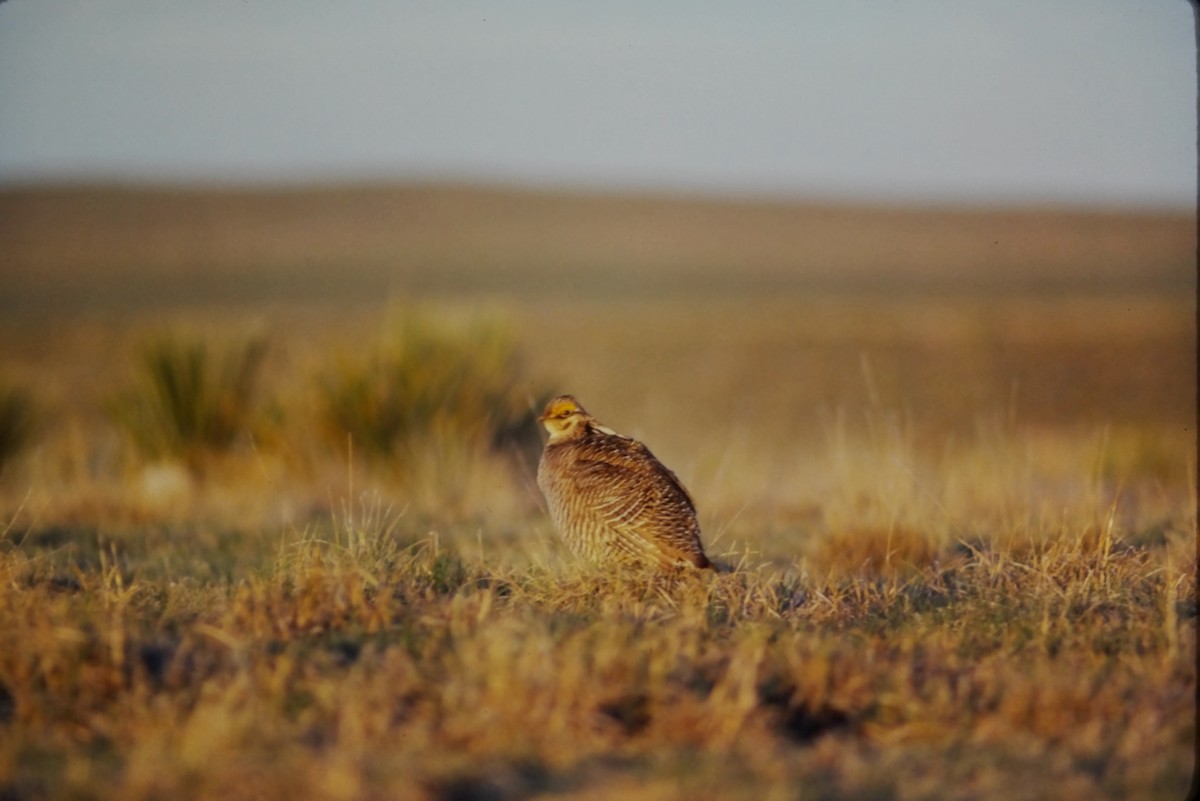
191	399
18	421
427	383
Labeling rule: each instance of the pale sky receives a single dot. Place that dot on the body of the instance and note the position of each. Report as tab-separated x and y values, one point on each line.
1059	101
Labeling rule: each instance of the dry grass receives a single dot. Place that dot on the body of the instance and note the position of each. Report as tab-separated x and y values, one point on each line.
963	527
358	664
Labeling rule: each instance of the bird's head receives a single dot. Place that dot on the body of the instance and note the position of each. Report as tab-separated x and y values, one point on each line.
564	418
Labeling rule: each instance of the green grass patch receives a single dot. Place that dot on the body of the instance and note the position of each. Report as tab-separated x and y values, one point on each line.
191	398
18	421
429	384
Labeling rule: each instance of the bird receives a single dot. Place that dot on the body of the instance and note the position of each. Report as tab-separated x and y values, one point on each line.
610	498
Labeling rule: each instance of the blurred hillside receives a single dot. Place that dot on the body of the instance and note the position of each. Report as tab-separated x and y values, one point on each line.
780	316
72	248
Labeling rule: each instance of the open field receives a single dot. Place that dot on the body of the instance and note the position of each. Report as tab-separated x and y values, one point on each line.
951	456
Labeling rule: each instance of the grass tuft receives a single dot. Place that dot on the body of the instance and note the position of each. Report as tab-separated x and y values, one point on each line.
191	399
427	384
18	421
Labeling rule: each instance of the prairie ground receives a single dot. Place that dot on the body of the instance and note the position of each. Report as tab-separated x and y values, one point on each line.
949	459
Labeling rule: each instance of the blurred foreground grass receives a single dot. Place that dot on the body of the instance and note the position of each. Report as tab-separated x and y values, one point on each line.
962	513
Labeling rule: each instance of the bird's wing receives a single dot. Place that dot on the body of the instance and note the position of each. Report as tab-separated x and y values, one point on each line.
636	457
641	501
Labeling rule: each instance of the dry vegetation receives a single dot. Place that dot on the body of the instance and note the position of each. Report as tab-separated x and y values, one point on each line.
243	554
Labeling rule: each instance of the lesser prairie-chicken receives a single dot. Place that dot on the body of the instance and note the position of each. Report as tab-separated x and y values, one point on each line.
610	499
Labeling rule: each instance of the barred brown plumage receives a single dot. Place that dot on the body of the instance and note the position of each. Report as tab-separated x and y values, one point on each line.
610	499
